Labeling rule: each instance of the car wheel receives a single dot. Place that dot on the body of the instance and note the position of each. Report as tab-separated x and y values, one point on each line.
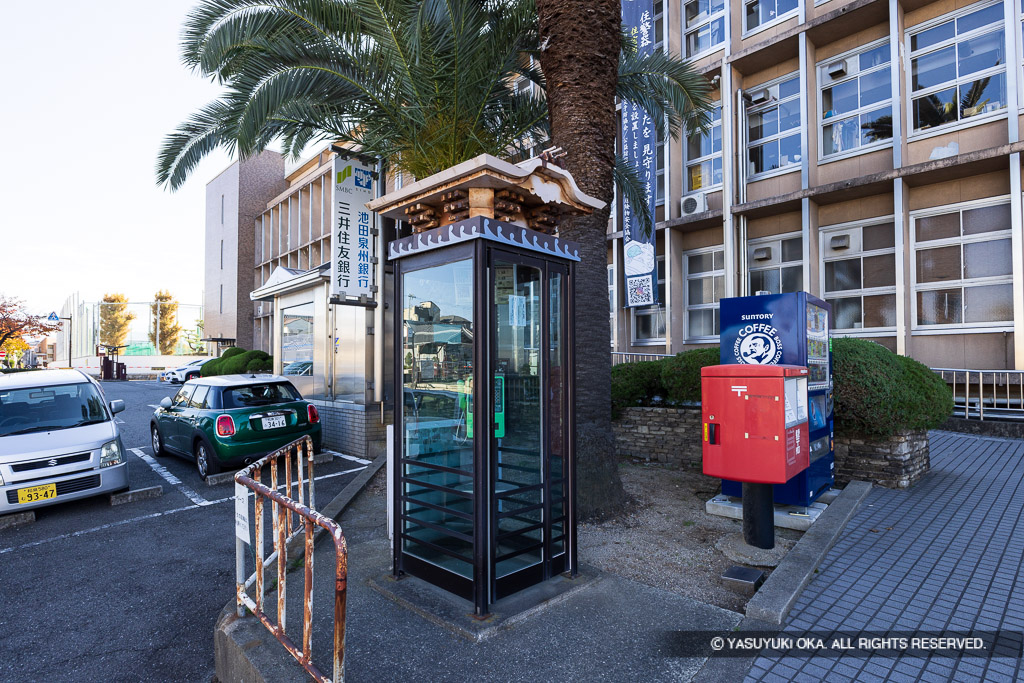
191	375
156	441
206	460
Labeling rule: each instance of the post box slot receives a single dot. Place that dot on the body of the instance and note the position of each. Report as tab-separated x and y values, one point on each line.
712	433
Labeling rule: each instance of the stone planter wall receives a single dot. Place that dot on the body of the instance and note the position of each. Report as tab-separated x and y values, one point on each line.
896	463
667	435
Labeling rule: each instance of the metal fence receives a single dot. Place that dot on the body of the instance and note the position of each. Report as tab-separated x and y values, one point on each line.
619	357
286	509
985	394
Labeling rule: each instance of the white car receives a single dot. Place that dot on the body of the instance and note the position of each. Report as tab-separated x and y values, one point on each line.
58	440
185	372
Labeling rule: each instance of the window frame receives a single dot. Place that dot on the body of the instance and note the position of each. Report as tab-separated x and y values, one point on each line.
747	31
822	85
823	233
704	23
764	241
687	276
661	308
687	162
961	283
913	133
778	135
612	301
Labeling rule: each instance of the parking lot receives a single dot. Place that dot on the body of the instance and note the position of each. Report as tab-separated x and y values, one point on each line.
92	591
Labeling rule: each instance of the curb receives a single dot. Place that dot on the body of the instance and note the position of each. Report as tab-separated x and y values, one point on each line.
778	594
136	495
17	519
229	477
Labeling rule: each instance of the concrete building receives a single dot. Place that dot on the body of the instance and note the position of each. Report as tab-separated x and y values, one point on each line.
867	151
234	199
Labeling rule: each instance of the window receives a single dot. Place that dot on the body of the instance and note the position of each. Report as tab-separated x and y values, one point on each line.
705	285
659	25
859	275
774	126
221	308
704	156
649	323
198	399
611	299
776	264
222	254
660	154
963	267
764	12
703	25
958	68
856	100
222	209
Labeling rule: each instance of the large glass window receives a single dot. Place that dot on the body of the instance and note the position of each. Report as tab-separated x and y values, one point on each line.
661	157
859	275
963	267
773	126
297	346
958	67
703	25
649	322
761	12
437	416
705	286
704	155
856	100
775	264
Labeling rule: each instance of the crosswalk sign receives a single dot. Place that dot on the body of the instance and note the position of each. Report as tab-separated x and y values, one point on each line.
52	318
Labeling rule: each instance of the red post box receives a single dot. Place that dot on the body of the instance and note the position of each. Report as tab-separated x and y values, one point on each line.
754	422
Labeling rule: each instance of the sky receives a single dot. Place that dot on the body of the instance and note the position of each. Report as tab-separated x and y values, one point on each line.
91	89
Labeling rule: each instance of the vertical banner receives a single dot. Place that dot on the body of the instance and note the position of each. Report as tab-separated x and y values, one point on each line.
639	260
353	261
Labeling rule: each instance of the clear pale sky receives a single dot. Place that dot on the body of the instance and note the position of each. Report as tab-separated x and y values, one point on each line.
90	91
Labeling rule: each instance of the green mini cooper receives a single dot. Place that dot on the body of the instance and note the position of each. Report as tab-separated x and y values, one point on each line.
232	420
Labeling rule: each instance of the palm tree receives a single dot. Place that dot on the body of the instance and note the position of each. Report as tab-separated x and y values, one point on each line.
427	84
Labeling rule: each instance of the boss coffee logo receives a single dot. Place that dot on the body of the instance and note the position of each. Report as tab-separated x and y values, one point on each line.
758	343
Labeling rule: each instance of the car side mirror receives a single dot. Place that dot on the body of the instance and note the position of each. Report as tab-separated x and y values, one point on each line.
117	406
165	403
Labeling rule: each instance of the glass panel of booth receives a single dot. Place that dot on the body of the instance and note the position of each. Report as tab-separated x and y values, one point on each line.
437	416
297	336
556	411
518	430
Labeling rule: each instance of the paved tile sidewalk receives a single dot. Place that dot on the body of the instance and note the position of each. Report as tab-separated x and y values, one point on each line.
945	555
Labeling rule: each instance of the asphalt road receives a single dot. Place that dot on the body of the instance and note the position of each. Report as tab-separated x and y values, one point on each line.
91	592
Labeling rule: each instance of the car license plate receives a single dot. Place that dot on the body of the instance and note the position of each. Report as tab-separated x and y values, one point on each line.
36	493
274	421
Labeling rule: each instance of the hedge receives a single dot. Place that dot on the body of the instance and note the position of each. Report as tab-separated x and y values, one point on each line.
876	392
237	361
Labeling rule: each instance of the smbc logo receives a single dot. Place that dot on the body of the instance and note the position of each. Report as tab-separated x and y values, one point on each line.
343	174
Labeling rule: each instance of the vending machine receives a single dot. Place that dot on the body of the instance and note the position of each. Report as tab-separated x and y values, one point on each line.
788	329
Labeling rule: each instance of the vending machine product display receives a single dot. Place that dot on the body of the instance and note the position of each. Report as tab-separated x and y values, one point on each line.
788	329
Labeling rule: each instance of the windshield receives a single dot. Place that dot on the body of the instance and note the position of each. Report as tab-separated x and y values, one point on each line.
41	409
259	395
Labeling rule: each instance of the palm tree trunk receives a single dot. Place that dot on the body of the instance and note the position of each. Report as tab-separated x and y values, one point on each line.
580	59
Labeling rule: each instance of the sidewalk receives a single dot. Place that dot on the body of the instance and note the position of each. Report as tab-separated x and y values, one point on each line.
614	629
945	555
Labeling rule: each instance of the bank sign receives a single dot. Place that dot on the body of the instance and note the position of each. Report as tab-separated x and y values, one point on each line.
353	250
640	263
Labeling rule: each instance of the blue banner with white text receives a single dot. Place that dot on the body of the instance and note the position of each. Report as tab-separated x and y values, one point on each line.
639	260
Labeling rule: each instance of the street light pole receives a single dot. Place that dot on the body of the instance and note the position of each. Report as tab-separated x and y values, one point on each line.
70	328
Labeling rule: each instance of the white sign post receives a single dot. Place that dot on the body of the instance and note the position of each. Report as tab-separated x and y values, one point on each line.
353	258
242	513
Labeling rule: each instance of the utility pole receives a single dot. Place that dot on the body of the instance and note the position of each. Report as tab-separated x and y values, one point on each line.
70	329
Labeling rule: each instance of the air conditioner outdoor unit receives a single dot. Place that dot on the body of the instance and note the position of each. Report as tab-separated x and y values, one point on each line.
694	203
760	96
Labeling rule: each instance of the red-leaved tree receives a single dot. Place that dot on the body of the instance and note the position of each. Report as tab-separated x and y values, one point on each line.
16	322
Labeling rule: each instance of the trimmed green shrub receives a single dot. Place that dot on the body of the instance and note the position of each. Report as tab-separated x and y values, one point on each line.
211	368
239	362
879	393
680	374
636	384
260	365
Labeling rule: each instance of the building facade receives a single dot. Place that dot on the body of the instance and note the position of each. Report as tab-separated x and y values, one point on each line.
867	152
234	199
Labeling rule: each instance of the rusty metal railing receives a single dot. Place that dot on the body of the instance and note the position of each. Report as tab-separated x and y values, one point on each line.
985	393
284	510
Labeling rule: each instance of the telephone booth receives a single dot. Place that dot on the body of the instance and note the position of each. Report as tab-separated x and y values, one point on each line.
483	440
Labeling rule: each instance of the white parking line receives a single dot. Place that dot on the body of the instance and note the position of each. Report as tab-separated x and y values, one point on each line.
152	515
354	459
170	478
